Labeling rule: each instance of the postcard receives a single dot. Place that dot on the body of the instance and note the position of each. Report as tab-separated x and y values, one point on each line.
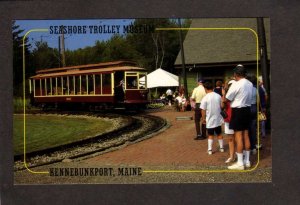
139	101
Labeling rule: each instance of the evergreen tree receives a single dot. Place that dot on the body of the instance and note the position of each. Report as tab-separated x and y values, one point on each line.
44	57
118	49
18	58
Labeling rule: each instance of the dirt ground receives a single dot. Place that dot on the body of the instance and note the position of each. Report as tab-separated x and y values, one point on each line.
171	156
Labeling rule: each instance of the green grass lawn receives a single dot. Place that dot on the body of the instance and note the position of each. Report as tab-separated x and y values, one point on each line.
45	131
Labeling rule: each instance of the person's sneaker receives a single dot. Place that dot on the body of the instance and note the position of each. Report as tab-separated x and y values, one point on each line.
199	137
229	160
209	152
221	149
247	164
236	166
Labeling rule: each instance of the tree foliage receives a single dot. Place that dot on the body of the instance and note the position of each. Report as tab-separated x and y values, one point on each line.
18	57
45	57
159	48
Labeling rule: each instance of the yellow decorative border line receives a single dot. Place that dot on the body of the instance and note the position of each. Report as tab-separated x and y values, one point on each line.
258	141
24	99
146	171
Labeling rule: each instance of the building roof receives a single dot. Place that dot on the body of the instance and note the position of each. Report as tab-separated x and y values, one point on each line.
222	46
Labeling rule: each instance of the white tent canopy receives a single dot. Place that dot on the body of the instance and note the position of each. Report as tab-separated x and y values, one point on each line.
161	78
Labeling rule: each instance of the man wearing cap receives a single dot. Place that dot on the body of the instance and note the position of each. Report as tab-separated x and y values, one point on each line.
197	95
239	94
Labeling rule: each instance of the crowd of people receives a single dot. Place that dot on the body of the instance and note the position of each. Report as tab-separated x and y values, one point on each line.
176	99
238	100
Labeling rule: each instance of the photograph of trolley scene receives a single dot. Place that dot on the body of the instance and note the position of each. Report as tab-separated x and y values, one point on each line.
134	101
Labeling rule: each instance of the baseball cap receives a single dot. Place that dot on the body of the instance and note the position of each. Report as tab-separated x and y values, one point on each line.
240	70
200	80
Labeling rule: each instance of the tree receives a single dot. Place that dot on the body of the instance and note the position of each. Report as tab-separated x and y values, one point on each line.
18	58
118	49
44	57
159	48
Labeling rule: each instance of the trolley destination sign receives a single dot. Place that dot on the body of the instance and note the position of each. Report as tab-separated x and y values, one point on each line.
101	29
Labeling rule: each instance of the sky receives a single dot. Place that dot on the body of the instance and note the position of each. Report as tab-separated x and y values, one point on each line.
73	41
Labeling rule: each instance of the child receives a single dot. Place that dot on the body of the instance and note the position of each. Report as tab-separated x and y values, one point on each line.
211	109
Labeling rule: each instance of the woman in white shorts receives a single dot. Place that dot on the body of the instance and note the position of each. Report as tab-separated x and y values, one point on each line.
229	132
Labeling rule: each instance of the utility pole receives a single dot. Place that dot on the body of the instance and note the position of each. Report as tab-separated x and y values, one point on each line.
59	51
263	53
63	50
183	62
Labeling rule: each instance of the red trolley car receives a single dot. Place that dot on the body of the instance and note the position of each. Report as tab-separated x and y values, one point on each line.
96	85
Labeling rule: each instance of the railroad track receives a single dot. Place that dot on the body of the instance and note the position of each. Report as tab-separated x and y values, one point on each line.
137	127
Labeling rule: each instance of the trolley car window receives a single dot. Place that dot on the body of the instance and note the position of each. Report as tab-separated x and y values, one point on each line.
48	86
59	86
53	80
77	85
91	84
72	85
83	85
106	86
68	85
37	86
98	84
43	87
131	82
65	86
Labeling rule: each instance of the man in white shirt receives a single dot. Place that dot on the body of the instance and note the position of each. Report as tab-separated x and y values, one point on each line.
239	94
211	109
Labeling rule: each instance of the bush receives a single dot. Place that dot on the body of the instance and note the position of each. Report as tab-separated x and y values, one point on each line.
155	105
19	104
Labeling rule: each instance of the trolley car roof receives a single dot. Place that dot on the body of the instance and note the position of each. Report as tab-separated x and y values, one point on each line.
76	71
88	66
